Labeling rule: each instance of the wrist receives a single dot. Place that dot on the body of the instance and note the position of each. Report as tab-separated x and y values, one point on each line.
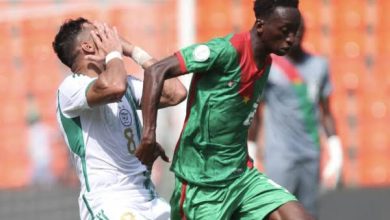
148	136
140	56
128	49
113	55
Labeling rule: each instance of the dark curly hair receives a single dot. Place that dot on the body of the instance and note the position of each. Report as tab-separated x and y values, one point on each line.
264	8
64	41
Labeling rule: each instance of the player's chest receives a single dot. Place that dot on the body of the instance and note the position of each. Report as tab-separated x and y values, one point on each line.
118	114
304	84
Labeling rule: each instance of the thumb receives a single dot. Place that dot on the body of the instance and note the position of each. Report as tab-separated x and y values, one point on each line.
162	154
164	157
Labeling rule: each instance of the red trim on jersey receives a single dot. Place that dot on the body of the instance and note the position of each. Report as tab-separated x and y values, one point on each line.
249	71
182	198
249	162
288	69
182	63
191	98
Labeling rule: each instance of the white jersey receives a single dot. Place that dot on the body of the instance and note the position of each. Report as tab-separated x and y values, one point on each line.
102	141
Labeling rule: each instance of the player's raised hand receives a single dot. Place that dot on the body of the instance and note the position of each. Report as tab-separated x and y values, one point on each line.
148	152
106	40
331	175
127	47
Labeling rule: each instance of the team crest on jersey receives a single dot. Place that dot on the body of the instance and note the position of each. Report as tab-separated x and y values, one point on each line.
201	53
128	216
125	117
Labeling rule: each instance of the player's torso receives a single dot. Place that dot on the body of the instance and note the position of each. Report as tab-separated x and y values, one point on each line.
291	115
102	141
222	103
310	76
226	97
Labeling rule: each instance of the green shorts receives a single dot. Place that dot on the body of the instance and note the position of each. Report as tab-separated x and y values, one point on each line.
251	196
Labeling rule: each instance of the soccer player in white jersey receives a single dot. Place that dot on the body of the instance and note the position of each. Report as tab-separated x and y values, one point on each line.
97	114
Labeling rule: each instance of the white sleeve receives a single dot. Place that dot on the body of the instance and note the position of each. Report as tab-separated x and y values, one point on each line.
136	87
72	99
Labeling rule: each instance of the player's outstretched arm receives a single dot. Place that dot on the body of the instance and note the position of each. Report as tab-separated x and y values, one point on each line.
110	84
154	78
173	91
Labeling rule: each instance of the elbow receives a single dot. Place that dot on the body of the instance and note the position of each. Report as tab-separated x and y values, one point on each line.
118	91
155	73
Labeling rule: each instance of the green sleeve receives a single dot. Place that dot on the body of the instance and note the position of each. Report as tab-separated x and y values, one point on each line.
212	55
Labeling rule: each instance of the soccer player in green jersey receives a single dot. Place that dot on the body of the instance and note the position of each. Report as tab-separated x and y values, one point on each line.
215	178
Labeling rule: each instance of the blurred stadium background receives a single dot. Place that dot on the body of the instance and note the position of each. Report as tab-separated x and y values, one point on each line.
37	180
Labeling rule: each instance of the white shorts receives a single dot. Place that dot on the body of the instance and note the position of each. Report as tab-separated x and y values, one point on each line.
122	206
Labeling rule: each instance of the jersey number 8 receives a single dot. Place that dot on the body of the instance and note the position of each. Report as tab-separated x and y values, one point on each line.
130	140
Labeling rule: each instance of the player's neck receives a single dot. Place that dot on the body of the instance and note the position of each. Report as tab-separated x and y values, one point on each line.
259	52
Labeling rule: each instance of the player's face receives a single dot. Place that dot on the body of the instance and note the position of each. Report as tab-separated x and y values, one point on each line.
279	31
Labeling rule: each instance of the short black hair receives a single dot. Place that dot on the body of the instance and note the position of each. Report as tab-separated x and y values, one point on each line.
64	41
264	8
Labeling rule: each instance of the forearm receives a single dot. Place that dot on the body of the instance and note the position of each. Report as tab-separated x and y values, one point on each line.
140	56
152	89
110	85
127	47
115	74
328	124
327	120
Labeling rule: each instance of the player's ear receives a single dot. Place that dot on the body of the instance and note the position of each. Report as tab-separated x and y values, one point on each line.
259	26
87	47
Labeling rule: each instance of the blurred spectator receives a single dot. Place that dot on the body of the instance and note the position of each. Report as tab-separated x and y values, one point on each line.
39	146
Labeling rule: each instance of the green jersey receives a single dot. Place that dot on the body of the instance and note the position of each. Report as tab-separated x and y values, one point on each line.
224	95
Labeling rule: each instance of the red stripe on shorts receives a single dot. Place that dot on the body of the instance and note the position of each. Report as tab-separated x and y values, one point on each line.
182	198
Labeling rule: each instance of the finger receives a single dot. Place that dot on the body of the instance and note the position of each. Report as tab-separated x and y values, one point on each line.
161	152
96	23
115	33
164	157
107	30
138	154
96	39
101	32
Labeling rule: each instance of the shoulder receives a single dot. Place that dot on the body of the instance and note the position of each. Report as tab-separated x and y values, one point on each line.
217	43
75	79
318	60
74	82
